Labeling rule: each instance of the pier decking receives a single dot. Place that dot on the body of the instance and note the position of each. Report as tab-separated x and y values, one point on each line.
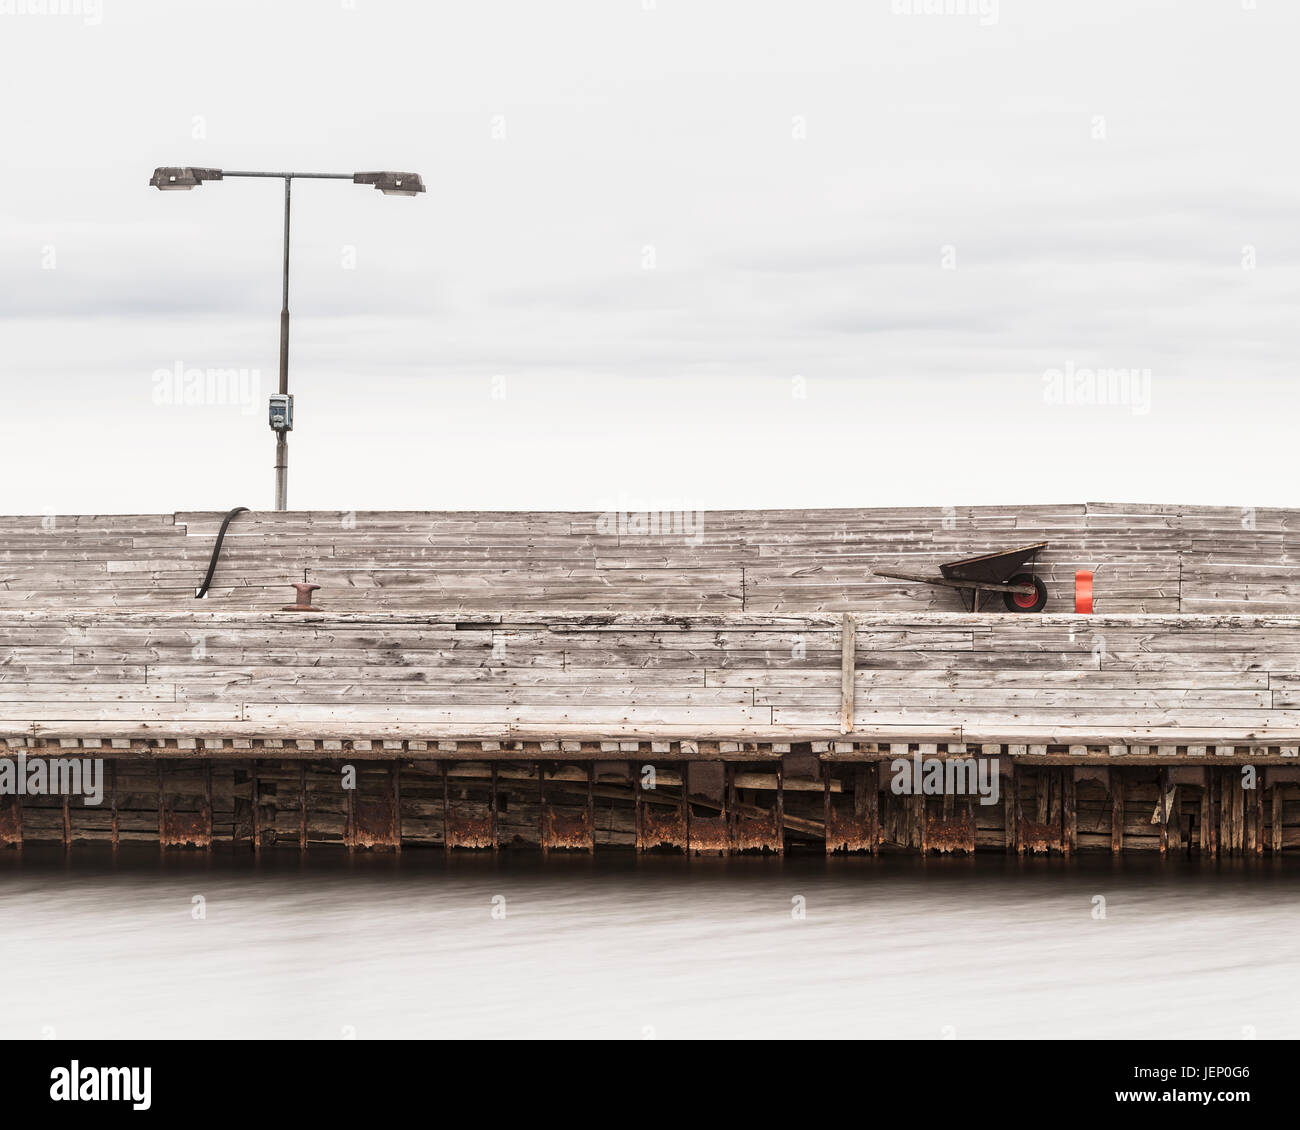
741	681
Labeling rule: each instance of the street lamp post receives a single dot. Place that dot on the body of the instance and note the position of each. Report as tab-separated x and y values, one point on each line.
281	407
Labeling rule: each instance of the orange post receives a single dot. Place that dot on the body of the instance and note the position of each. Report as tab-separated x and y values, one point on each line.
1083	591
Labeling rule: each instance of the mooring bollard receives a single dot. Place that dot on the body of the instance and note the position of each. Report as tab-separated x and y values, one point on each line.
304	599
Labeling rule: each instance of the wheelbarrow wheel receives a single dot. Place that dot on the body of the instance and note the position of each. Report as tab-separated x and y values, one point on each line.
1023	601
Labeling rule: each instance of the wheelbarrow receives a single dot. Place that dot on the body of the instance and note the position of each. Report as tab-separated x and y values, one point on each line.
989	573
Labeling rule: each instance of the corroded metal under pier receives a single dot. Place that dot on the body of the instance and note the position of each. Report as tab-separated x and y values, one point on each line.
833	797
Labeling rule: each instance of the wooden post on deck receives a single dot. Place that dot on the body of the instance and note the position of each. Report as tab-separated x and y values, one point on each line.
848	648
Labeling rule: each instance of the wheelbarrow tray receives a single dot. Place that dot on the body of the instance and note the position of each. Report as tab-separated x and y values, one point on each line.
991	568
988	573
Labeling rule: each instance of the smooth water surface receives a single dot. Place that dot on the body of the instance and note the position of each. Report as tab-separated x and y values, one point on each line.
616	946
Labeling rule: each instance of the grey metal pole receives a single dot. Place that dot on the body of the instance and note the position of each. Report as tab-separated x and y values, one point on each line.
280	415
282	437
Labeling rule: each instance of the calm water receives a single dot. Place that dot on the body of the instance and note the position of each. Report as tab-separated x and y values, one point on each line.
627	948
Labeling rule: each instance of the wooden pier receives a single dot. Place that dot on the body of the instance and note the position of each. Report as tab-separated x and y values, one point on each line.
560	682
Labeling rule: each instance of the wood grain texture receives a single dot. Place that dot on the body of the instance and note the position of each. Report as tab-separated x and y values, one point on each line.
731	626
1145	558
1203	681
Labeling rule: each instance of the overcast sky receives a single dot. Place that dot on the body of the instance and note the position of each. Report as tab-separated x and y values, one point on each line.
715	253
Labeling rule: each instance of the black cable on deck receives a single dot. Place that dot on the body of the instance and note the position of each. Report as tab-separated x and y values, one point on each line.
202	590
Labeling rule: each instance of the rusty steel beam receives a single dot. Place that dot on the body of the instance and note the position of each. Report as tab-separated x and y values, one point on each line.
750	832
659	826
858	830
11	822
951	833
462	830
185	829
707	783
1040	836
376	825
567	831
661	829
